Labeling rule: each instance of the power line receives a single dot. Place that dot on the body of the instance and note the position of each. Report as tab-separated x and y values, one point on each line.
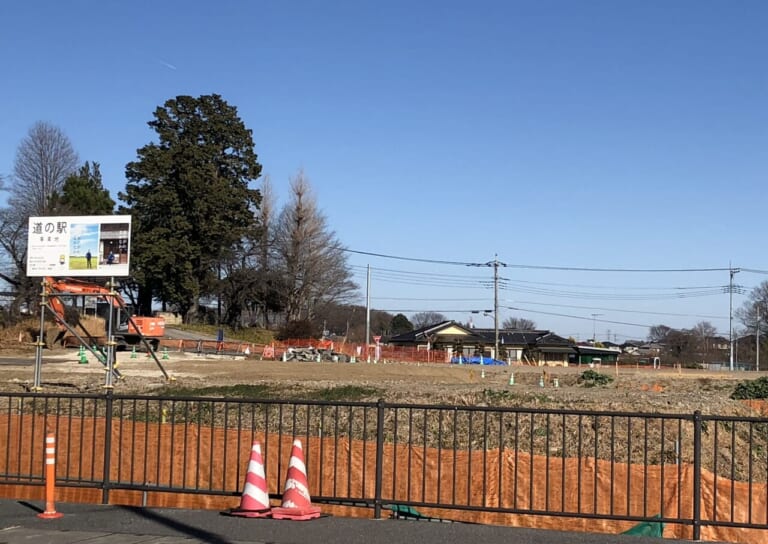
542	288
589	269
545	267
414	273
433	299
616	296
670	314
535	267
459	281
422	278
436	310
590	318
412	259
583	286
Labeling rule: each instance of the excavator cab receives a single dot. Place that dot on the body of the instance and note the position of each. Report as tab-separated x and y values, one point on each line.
123	329
119	316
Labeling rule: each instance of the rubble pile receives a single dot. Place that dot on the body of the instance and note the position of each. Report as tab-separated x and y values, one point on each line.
314	354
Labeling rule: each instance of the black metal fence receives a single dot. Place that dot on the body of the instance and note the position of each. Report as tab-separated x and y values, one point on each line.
467	462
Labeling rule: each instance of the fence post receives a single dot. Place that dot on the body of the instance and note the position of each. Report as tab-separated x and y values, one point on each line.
107	447
697	475
379	458
50	478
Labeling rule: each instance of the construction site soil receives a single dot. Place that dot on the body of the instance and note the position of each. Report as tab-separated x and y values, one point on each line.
632	389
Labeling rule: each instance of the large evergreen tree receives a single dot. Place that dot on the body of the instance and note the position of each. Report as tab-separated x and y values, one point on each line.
190	198
83	193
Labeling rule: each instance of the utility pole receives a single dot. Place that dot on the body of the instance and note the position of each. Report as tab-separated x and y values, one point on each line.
495	264
594	340
730	313
757	338
495	307
368	311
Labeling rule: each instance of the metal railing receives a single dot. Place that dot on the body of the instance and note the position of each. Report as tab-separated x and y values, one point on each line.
479	463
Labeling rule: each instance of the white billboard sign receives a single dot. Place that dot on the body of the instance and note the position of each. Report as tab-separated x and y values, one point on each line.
88	245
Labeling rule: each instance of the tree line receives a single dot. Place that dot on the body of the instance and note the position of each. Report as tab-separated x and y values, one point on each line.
703	343
206	242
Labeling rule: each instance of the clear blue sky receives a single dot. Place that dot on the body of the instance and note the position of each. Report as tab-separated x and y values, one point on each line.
596	134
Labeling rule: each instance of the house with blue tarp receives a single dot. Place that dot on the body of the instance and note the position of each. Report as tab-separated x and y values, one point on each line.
469	345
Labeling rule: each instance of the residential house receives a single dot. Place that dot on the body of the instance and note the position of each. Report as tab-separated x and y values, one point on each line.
539	347
446	335
592	355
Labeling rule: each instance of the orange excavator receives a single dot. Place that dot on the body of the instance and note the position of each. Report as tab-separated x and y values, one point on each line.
124	328
127	329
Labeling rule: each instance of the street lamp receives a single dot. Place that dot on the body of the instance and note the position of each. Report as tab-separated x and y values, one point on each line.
491	313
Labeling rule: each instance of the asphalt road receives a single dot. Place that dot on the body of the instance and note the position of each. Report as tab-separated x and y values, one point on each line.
90	523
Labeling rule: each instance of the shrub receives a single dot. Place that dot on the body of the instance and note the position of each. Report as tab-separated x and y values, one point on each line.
299	329
751	389
591	378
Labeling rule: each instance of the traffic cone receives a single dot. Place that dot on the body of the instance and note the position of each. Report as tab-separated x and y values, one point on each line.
255	500
297	504
133	353
83	358
165	353
511	378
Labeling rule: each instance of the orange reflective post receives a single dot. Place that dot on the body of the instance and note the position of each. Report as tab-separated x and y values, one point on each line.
50	478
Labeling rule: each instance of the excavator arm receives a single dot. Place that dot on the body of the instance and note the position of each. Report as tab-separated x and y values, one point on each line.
77	287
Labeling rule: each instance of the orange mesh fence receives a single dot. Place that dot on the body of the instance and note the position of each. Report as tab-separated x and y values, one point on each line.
276	349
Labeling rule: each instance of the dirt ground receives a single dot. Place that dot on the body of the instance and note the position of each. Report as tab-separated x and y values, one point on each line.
667	390
632	389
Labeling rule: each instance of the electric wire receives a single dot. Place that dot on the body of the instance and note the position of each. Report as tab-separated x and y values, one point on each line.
669	314
542	267
592	319
540	288
463	281
422	278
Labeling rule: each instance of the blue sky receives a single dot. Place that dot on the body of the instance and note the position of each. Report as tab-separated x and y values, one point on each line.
591	134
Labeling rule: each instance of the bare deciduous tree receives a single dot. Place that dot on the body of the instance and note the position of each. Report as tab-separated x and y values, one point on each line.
518	323
314	265
659	333
704	334
257	293
269	279
425	319
755	308
44	159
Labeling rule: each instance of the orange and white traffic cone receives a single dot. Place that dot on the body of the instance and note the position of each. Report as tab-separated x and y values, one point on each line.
255	500
50	479
297	504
